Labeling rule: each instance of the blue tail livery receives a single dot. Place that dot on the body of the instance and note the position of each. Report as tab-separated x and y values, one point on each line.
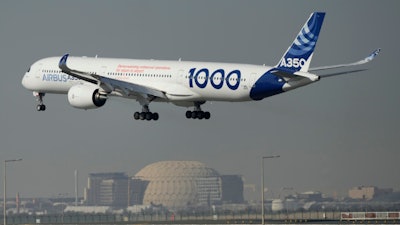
299	54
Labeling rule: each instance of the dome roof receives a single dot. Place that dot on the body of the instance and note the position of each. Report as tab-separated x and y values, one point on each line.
168	169
176	183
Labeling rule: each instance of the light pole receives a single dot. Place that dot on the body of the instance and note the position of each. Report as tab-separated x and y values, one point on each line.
262	185
5	188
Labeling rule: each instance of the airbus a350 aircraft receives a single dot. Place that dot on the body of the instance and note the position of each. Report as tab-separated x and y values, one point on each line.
89	81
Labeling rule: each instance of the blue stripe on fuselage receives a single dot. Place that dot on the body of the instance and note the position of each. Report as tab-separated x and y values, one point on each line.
267	85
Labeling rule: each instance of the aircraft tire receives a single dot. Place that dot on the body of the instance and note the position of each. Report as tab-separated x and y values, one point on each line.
142	116
188	114
155	116
41	107
207	115
200	115
149	116
194	115
136	115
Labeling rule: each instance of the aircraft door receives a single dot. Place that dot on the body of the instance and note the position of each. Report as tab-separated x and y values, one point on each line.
104	71
181	77
251	82
38	71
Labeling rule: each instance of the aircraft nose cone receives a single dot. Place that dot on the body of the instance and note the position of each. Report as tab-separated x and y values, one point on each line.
26	82
23	82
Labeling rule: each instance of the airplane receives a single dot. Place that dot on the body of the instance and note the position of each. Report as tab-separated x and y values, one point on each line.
89	81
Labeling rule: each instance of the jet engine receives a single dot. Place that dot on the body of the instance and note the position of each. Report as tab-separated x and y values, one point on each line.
86	96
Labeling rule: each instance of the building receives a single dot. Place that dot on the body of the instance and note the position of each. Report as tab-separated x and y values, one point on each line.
137	189
250	193
107	189
180	184
232	189
310	196
368	192
208	191
172	184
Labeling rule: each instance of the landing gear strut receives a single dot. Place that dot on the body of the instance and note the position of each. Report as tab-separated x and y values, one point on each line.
39	98
145	114
197	113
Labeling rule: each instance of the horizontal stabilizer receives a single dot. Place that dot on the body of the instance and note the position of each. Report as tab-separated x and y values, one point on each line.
367	59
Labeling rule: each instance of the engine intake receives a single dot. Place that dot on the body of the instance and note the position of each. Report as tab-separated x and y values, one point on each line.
86	96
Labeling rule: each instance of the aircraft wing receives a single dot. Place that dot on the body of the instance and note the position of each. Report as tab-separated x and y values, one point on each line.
109	84
367	59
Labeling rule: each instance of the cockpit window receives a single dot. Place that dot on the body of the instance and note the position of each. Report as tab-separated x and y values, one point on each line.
29	70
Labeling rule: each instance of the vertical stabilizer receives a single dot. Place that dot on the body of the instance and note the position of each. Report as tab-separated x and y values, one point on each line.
299	54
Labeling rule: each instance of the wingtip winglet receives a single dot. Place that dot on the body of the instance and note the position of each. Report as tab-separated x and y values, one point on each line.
376	52
63	60
373	55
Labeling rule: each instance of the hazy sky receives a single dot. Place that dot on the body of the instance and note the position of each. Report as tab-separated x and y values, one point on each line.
332	135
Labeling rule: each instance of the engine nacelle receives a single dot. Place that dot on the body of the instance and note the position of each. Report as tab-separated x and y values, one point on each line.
86	96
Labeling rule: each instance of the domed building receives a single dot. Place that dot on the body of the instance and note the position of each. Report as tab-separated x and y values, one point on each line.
179	184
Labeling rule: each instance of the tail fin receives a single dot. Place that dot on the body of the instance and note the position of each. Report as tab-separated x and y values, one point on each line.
299	54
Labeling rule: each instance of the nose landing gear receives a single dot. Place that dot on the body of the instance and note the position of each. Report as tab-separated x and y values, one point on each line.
39	97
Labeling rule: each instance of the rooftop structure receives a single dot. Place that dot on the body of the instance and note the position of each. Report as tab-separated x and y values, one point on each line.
178	184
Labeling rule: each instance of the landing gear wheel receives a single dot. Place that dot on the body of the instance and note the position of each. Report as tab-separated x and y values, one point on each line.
207	115
194	115
142	116
149	116
155	116
197	113
136	115
200	115
41	107
145	116
188	114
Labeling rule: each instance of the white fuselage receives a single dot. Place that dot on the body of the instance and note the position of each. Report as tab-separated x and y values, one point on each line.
181	81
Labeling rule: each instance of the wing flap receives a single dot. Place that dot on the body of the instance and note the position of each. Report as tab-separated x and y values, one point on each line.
130	88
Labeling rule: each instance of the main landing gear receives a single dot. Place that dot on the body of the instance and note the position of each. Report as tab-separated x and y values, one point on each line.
197	113
39	98
145	114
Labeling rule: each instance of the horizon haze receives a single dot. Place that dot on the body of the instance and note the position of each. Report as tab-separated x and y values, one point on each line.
335	134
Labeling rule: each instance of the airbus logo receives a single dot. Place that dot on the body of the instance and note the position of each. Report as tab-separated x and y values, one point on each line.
58	77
